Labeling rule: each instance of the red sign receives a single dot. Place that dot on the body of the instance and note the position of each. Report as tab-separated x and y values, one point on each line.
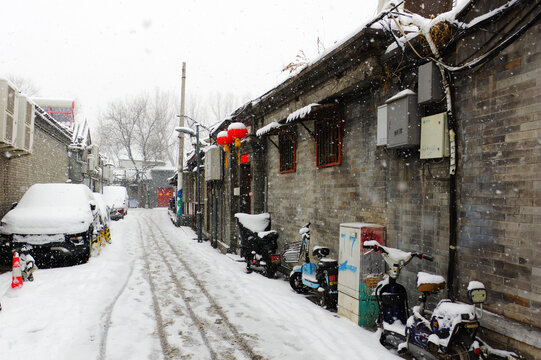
163	196
244	158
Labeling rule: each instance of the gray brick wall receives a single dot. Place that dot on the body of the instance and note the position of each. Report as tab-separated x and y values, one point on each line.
500	194
48	163
374	185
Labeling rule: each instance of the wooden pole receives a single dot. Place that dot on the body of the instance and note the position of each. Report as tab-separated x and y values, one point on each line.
181	141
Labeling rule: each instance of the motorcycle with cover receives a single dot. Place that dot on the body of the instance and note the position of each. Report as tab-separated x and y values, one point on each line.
258	244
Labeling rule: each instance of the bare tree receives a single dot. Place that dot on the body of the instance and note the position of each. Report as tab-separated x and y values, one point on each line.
24	85
140	128
222	104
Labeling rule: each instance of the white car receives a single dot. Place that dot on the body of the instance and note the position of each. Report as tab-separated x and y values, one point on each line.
116	197
56	221
103	211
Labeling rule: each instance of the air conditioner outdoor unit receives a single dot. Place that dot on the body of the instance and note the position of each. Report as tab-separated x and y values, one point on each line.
96	151
8	107
91	163
24	139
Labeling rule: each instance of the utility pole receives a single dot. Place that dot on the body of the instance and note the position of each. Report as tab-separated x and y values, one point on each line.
199	212
181	144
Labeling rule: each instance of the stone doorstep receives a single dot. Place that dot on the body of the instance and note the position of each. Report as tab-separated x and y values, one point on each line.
512	329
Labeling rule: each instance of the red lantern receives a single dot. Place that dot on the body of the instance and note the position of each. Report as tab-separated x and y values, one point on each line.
237	131
224	139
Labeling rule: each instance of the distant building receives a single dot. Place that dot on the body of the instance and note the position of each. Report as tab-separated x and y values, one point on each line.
62	110
86	164
137	176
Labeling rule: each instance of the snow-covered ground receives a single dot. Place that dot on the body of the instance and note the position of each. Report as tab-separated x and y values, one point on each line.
155	293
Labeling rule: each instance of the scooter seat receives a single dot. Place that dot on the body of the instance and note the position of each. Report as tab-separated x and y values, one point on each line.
326	263
429	282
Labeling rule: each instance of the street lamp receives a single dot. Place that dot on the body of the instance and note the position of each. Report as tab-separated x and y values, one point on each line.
186	130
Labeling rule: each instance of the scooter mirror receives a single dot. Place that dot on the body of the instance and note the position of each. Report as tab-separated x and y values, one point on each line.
477	296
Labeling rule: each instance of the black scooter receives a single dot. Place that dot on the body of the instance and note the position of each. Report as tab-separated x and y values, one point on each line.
258	243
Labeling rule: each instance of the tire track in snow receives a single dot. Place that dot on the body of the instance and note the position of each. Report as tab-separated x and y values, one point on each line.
236	337
196	321
167	350
107	314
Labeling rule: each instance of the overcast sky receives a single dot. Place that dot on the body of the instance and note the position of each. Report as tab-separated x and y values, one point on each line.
102	50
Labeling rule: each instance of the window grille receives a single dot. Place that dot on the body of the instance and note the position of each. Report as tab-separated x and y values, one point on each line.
328	141
287	148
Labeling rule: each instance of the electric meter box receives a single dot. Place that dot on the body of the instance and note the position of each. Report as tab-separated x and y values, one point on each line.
434	136
382	126
429	84
213	165
403	123
359	272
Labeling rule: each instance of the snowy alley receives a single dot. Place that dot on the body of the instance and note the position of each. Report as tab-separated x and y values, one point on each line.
155	293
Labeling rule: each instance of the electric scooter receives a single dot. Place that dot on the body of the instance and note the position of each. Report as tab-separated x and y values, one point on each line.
448	332
258	247
322	278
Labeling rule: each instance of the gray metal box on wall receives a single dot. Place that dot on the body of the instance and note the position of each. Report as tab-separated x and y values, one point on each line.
213	164
403	123
429	81
382	126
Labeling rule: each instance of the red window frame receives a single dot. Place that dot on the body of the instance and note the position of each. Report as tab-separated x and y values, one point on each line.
328	133
287	147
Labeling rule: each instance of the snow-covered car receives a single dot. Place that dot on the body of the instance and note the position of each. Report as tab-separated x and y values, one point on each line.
103	211
56	220
116	197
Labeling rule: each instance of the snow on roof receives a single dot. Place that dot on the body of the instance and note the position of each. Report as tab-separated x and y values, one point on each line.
208	148
301	113
81	134
265	129
53	102
401	94
163	168
42	114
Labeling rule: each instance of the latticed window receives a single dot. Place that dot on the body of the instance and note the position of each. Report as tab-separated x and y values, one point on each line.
287	147
328	141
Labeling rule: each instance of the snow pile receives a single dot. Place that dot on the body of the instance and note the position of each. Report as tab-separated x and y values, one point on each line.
254	223
262	234
474	285
400	95
426	278
395	254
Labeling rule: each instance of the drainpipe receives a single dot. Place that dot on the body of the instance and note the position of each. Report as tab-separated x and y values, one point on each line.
451	293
